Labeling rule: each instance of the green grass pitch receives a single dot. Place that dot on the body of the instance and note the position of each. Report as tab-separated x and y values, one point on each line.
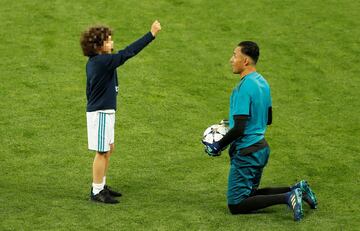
169	94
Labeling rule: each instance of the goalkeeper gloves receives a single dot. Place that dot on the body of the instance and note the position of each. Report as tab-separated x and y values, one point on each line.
212	149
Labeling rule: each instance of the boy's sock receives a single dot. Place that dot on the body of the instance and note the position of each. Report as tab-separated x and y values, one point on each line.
104	180
96	188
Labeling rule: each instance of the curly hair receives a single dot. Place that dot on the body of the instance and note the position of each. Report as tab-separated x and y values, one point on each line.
93	39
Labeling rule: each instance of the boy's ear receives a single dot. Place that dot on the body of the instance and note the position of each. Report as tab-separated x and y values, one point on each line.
97	48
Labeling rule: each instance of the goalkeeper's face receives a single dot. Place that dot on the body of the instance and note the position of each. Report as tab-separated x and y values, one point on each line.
239	61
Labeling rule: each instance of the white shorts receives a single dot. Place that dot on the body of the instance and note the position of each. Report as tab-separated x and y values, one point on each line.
100	129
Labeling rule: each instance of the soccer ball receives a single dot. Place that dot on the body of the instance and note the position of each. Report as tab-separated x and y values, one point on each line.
215	133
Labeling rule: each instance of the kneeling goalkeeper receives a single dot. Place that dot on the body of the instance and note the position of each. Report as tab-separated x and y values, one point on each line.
250	113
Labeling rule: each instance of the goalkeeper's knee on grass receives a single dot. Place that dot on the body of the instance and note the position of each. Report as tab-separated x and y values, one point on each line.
257	202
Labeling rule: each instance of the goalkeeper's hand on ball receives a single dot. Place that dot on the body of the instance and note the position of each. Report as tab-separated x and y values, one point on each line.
224	122
212	149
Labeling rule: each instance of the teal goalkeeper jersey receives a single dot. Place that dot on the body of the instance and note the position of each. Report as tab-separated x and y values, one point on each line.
251	97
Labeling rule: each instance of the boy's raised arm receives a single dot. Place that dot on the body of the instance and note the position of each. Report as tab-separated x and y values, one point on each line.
115	60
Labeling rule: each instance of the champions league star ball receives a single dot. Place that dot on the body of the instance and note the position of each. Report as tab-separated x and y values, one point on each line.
215	133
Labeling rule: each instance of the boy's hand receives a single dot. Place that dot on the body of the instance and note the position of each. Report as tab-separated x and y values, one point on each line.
155	28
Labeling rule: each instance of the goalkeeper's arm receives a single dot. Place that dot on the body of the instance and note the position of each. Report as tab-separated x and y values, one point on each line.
235	132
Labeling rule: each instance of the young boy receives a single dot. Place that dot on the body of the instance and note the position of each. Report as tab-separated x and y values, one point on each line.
101	92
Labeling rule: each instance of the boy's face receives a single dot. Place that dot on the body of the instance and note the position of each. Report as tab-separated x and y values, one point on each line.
108	46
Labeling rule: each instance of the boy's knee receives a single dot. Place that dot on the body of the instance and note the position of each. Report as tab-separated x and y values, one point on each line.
108	153
102	154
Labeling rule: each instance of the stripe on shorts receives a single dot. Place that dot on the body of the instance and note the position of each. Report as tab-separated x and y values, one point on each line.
103	135
101	132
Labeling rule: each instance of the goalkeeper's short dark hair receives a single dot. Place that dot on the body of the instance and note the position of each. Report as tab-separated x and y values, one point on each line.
250	49
93	38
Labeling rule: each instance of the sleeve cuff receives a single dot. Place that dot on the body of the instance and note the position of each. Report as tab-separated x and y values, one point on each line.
150	35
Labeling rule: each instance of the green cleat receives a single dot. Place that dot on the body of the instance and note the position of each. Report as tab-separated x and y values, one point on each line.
295	203
308	195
